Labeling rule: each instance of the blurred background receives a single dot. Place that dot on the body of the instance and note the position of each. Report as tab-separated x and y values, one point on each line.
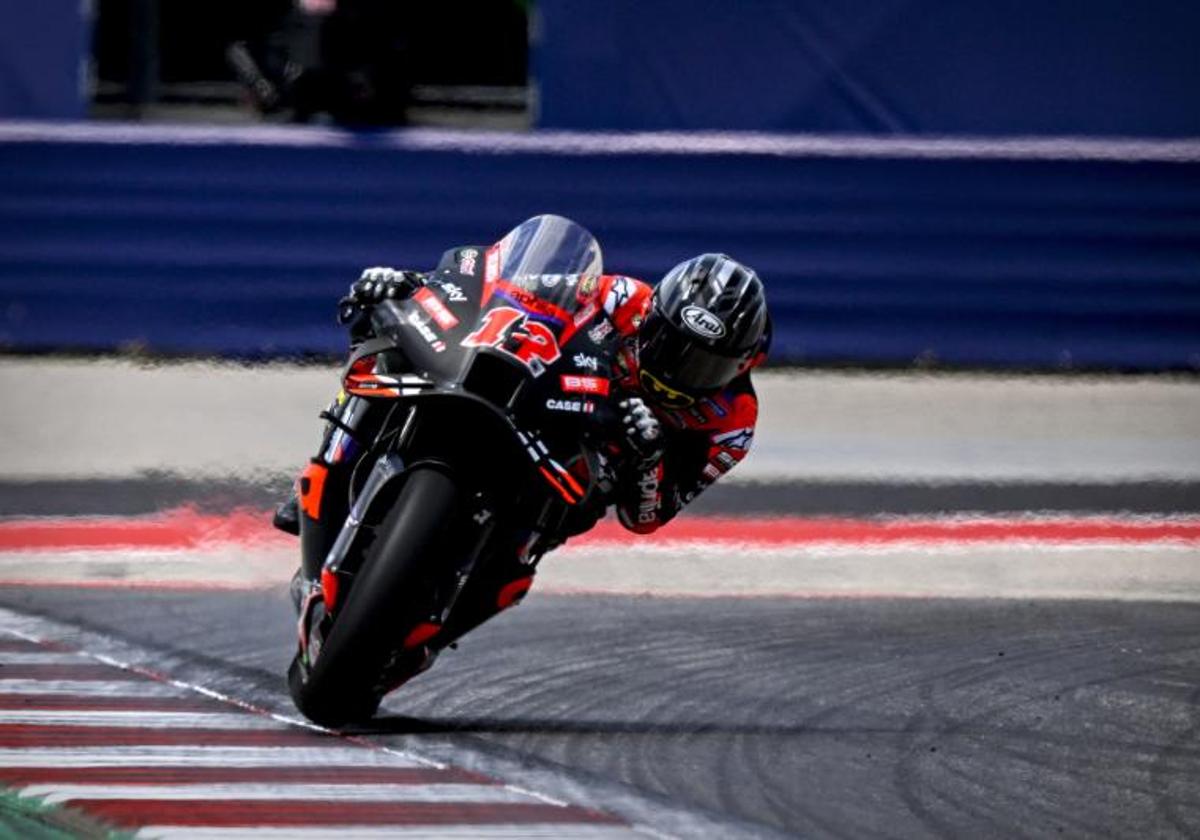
979	184
354	62
978	223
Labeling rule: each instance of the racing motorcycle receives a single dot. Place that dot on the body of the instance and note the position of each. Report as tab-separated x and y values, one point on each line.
471	436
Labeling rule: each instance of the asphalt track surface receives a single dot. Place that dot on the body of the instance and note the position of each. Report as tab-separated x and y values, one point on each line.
808	717
785	714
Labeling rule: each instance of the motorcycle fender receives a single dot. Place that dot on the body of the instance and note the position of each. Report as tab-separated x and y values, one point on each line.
386	469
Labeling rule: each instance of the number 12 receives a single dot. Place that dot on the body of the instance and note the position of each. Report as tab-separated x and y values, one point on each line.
528	341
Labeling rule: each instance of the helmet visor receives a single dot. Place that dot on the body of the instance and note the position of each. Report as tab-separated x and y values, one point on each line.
681	363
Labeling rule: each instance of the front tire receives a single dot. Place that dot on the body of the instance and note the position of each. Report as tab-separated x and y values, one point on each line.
343	685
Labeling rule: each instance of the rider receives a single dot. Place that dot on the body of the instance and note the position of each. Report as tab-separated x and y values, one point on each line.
681	385
688	407
692	341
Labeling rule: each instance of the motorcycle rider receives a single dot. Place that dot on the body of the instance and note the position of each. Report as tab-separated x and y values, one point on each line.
682	390
691	342
687	404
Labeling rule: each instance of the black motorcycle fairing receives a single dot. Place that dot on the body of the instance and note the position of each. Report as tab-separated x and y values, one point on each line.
486	387
466	262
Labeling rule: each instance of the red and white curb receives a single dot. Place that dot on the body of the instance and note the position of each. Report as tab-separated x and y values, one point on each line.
1033	555
185	530
164	759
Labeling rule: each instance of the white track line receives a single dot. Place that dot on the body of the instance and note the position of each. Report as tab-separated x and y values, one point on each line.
58	793
519	831
137	687
142	720
202	756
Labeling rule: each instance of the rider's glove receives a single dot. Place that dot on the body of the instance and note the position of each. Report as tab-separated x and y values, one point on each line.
376	284
643	432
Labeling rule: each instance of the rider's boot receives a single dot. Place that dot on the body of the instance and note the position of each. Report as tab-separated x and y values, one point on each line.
287	515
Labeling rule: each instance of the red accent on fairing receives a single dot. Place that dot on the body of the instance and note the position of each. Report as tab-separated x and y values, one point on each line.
534	341
581	319
366	364
312	487
491	272
554	483
434	307
512	332
377	393
422	633
494	323
329	588
513	591
371	385
576	384
530	302
570	479
362	381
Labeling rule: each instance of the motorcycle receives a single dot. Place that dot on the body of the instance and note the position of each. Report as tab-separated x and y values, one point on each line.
471	436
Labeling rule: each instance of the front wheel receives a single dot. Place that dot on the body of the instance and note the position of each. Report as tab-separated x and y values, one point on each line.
343	685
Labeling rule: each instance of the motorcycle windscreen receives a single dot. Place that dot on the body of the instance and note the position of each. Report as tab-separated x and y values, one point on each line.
548	245
547	268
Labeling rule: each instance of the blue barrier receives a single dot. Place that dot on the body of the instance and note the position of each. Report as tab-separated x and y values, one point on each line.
239	242
1107	67
43	46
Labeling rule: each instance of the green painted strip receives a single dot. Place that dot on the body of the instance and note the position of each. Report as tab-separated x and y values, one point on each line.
27	818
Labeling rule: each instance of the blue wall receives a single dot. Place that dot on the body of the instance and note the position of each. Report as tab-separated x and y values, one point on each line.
1012	67
242	246
42	48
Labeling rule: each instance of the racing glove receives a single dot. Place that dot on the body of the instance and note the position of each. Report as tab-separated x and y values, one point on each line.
376	284
643	432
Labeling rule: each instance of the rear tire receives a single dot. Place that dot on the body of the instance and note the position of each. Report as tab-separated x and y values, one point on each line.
343	685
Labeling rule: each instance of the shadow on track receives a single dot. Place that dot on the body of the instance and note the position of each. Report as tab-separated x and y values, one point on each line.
403	725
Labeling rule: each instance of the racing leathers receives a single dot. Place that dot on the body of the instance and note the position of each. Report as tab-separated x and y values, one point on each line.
699	443
651	478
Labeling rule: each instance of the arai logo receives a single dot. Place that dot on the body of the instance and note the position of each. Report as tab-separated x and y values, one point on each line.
702	322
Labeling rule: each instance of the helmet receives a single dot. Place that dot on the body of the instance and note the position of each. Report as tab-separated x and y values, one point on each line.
705	324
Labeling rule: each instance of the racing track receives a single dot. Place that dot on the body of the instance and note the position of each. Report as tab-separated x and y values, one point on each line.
1066	704
816	717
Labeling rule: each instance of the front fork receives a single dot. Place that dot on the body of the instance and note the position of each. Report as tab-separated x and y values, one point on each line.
323	598
330	526
323	488
352	428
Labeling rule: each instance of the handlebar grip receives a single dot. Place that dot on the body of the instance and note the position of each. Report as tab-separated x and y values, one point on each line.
386	318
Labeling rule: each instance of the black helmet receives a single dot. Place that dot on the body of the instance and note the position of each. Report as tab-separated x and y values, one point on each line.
706	322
